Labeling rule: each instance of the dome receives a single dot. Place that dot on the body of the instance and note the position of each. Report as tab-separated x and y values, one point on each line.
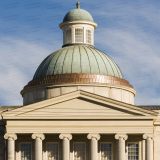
78	59
78	15
78	65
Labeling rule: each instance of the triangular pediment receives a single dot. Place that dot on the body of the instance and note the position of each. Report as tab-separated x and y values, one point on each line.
79	105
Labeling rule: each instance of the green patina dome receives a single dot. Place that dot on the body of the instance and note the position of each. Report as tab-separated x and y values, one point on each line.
78	59
78	15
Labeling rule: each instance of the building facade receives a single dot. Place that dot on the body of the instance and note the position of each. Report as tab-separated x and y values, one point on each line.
78	106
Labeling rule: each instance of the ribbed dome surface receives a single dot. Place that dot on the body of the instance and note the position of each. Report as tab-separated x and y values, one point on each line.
78	59
78	15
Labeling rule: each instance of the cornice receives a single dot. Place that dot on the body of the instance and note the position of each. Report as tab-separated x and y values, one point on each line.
61	25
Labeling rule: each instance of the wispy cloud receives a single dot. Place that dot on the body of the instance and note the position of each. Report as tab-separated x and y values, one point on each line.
18	62
128	31
136	51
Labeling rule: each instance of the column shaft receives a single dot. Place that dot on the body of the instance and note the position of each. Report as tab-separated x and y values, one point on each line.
66	149
38	145
121	145
94	145
11	149
11	145
149	146
121	149
65	145
94	149
38	149
149	149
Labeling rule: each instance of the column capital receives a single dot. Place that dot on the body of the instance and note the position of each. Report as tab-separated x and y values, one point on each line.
38	136
149	136
10	136
94	136
65	136
121	136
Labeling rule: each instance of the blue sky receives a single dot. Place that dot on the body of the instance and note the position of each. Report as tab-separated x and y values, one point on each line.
128	31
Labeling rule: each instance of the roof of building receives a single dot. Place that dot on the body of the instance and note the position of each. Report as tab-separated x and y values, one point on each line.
7	108
78	15
78	59
150	107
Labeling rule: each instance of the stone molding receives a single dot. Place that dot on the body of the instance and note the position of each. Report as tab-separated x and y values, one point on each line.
10	136
93	136
121	136
149	136
65	136
38	136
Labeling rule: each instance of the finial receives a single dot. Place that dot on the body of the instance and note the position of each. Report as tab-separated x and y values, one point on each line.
78	5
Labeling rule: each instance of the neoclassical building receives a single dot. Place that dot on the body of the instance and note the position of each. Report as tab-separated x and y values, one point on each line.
78	106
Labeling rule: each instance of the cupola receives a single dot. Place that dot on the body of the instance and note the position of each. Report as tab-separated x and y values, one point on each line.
78	27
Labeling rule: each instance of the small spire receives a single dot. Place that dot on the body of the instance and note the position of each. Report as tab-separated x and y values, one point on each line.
78	5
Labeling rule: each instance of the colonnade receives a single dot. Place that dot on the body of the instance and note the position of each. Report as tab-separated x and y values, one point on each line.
39	137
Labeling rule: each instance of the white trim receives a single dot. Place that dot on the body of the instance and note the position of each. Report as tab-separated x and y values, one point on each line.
20	148
47	151
85	148
111	149
139	150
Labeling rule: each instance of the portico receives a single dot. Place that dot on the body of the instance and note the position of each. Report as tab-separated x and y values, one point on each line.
94	137
66	150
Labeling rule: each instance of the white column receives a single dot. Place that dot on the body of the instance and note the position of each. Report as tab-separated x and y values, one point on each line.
121	145
11	145
149	142
65	145
94	145
38	145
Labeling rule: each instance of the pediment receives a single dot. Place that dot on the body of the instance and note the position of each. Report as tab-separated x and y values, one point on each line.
79	105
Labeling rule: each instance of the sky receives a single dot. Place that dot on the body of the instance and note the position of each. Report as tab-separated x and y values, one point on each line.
128	31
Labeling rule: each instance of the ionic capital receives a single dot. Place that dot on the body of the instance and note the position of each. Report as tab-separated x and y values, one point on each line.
10	136
121	136
65	136
40	136
93	136
149	136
